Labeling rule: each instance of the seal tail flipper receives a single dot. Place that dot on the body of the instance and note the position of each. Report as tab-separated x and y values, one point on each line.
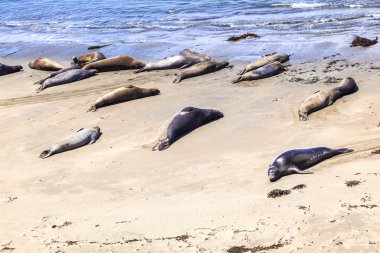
298	171
92	108
161	145
177	80
39	89
344	151
237	80
45	154
302	116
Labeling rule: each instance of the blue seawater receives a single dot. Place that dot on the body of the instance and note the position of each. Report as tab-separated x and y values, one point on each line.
162	27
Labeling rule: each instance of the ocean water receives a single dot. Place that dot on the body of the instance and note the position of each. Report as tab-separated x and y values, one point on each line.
155	29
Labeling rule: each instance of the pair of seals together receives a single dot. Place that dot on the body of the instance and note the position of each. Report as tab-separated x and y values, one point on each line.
182	123
262	68
298	160
6	69
84	136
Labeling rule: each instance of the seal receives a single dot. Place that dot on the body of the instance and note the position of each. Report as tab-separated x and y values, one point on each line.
264	61
298	160
185	59
322	99
121	62
73	66
123	94
6	69
182	123
67	77
45	64
269	70
201	68
88	58
82	137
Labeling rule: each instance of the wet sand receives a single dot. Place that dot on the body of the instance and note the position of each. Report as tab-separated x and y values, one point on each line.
208	191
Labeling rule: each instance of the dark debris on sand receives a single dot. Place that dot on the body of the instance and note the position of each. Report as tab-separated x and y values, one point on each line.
363	42
352	183
243	37
278	193
299	187
376	152
241	249
98	46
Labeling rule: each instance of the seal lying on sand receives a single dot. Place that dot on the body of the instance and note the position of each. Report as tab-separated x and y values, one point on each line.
264	61
123	94
67	77
185	59
5	69
263	72
45	64
297	160
88	58
183	123
73	66
82	137
321	99
121	62
201	68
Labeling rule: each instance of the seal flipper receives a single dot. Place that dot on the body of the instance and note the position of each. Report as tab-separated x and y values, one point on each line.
161	145
298	171
343	151
80	130
45	154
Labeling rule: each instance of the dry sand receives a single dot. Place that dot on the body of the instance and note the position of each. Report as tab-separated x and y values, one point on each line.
208	191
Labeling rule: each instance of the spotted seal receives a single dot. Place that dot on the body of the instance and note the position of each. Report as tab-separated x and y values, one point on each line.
82	137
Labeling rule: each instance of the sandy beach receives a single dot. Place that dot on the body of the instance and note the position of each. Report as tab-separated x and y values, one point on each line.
208	191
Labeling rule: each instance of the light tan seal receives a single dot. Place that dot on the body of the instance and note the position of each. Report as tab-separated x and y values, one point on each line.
123	94
121	62
45	64
322	99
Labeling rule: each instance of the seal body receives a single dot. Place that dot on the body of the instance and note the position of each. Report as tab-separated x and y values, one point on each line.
297	160
6	69
264	61
185	121
88	58
121	62
267	71
82	137
201	68
45	64
322	99
123	94
67	77
185	59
